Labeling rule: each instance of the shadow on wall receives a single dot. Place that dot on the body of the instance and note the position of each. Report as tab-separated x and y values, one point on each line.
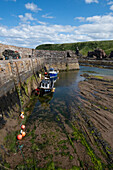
8	105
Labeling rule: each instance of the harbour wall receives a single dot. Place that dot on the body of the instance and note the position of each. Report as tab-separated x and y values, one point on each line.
26	71
23	69
60	60
26	74
24	52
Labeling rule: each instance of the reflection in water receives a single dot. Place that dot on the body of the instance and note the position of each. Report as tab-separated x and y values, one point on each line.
66	78
45	99
47	107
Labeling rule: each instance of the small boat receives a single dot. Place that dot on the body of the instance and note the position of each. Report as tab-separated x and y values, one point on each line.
46	86
48	75
52	73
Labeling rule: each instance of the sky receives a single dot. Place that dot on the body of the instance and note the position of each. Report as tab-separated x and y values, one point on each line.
29	23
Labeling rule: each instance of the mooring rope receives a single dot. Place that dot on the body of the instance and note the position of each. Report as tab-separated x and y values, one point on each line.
19	93
20	100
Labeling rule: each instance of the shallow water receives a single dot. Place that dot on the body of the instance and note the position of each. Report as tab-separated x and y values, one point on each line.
99	71
66	89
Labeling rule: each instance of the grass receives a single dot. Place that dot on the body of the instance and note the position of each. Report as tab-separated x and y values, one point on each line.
99	77
84	47
91	72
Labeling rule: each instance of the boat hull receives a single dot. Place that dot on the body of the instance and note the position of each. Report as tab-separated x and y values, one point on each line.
45	91
52	73
53	78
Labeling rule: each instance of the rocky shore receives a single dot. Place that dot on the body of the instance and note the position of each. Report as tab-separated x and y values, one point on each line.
97	99
108	64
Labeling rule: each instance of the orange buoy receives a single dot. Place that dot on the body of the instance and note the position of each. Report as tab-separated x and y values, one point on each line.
23	134
23	127
22	116
19	137
22	113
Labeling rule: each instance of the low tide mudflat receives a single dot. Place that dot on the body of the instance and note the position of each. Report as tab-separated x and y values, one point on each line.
71	129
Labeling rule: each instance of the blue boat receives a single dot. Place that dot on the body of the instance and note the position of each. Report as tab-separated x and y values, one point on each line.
52	73
53	79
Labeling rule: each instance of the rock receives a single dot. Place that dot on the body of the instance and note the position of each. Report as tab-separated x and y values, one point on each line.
70	53
77	51
97	54
111	54
90	54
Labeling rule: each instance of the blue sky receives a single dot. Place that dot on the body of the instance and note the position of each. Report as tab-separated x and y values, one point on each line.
28	23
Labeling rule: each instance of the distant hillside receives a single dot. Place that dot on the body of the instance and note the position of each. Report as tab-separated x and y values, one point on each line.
84	47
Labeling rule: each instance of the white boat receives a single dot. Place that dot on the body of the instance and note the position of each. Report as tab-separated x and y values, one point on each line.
46	86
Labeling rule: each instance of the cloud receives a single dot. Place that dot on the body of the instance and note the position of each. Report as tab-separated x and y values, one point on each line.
91	1
26	18
0	18
111	7
100	28
31	36
33	7
97	19
100	19
110	3
41	22
26	35
81	19
47	16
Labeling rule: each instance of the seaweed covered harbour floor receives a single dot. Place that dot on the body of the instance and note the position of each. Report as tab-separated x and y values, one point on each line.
72	131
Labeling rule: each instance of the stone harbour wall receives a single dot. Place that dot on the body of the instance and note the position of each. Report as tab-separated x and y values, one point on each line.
23	69
60	60
24	52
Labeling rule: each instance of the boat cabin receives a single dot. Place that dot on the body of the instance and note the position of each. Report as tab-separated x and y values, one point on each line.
46	84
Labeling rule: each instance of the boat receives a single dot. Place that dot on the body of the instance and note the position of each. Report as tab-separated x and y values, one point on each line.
46	86
52	73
